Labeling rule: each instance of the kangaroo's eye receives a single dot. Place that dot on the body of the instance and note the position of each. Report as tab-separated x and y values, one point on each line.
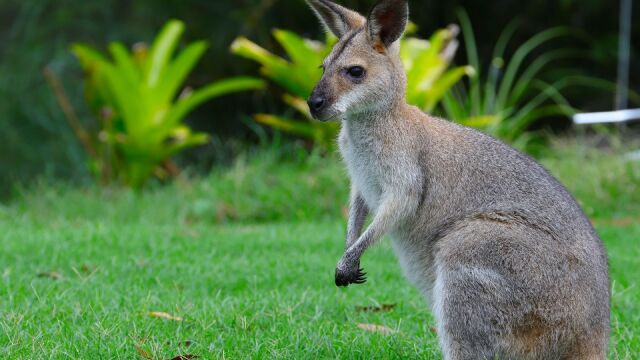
356	72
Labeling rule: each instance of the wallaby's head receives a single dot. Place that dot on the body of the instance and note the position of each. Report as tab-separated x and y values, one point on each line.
363	72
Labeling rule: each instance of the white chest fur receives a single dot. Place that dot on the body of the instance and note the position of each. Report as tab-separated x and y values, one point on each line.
366	169
374	173
362	157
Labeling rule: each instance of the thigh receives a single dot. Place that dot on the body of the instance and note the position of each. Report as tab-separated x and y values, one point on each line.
499	293
470	307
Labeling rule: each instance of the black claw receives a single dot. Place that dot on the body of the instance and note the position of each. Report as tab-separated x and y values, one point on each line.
361	277
344	280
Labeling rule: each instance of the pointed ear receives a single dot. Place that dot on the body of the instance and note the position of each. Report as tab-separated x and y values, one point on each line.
386	23
337	19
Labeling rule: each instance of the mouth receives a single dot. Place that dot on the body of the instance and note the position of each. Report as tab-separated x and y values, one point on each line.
325	116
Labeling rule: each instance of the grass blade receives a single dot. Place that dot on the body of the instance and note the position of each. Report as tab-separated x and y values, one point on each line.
474	60
518	58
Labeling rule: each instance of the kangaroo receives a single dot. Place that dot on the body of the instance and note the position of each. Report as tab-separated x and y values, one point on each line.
505	257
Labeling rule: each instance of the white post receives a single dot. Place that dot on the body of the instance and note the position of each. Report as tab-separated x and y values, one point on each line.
624	45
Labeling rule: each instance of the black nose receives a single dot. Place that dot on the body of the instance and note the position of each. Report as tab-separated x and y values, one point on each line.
316	103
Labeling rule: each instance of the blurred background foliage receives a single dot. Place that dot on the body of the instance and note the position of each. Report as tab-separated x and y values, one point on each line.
36	141
139	100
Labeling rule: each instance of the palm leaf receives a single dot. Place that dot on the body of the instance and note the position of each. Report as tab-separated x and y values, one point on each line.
162	50
178	70
273	67
443	84
124	62
185	105
295	127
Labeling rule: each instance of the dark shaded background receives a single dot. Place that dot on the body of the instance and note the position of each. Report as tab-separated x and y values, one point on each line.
35	140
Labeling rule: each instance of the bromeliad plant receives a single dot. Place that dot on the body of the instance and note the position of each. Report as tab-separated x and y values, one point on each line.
427	64
141	102
297	76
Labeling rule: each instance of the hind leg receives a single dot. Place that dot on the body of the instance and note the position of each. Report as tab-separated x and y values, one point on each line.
483	294
500	292
588	347
474	300
466	314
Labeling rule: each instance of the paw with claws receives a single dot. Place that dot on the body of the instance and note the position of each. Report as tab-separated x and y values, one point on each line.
349	274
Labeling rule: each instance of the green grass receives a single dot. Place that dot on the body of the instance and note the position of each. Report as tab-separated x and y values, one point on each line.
242	259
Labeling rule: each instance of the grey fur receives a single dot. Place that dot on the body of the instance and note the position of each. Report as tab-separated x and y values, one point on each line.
508	262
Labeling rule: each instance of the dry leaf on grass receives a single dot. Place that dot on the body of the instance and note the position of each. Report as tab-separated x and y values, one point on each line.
381	308
141	263
50	275
376	328
84	271
188	232
87	269
345	212
186	343
164	315
143	353
619	222
186	357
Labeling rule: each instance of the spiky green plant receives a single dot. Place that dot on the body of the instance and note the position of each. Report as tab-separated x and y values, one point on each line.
510	96
141	102
427	64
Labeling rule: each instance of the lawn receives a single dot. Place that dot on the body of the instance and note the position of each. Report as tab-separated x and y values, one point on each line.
240	265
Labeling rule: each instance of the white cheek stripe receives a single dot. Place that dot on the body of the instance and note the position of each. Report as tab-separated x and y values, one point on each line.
349	99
